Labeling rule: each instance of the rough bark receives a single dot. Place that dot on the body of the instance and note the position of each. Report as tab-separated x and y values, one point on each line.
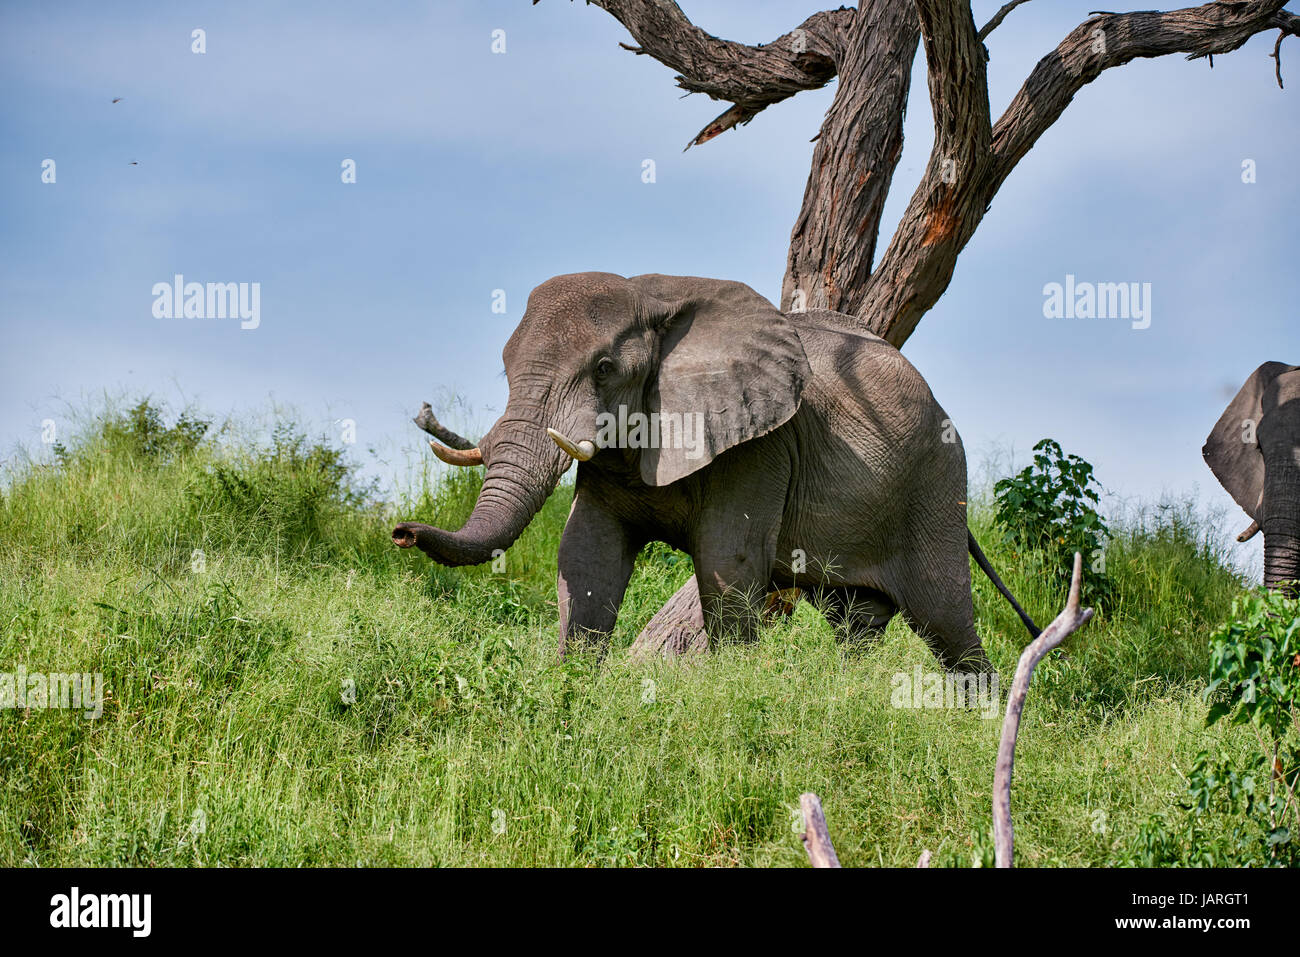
676	629
833	243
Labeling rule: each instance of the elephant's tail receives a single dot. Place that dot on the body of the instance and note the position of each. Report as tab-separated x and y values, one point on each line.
987	569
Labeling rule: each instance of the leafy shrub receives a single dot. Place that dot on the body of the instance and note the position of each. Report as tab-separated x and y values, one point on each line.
291	489
1049	508
143	434
1255	679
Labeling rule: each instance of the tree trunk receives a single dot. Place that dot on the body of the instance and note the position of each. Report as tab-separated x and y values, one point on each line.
833	244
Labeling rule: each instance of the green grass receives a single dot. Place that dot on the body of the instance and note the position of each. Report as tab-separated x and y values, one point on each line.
229	590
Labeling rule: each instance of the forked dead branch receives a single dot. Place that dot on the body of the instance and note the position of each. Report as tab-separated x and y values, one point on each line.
816	838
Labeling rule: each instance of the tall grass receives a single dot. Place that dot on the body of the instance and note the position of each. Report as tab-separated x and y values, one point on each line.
286	688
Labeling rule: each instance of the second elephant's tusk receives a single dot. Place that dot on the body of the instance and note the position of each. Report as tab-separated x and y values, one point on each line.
582	451
1249	533
460	457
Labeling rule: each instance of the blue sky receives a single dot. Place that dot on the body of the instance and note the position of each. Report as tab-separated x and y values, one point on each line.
478	171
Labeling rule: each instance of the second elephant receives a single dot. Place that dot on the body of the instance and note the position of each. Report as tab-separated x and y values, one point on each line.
1254	452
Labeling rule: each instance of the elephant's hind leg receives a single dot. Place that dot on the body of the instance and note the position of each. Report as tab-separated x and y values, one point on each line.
952	638
935	600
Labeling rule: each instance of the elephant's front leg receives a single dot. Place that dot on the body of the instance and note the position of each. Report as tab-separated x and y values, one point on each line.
596	555
735	552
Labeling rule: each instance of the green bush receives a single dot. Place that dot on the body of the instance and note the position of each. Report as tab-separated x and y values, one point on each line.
1255	680
142	432
1049	508
291	489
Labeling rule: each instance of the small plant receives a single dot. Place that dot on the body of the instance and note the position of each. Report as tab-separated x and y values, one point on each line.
1050	508
1255	680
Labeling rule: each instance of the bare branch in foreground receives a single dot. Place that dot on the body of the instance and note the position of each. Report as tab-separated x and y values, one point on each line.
429	423
816	839
1065	624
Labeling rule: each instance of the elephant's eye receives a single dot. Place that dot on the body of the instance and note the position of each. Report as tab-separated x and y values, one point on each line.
604	368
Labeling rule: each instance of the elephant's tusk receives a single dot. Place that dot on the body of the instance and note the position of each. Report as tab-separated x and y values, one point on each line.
457	456
1251	531
582	451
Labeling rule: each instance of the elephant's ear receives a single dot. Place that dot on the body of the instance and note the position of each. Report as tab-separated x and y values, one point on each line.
1232	451
731	368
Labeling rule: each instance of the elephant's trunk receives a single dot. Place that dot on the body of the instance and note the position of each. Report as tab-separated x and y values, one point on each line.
1282	555
1281	525
524	467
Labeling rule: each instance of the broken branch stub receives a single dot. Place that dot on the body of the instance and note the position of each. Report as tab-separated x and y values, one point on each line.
427	421
816	839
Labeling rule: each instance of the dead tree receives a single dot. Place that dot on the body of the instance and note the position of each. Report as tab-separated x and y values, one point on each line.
871	50
816	838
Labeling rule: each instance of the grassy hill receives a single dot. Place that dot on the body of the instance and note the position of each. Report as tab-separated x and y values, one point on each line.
237	594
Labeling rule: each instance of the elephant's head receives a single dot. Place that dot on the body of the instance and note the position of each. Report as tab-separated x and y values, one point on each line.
1254	452
592	345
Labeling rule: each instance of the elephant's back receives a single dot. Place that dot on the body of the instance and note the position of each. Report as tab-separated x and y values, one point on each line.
863	385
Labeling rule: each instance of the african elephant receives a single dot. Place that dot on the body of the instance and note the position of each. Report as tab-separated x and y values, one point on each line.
1254	452
777	450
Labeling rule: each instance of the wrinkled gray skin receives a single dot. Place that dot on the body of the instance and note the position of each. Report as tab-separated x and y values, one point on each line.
822	441
1254	452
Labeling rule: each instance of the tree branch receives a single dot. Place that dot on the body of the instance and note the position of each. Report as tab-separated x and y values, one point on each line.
946	206
1287	24
816	838
1065	624
998	17
751	77
1112	39
958	86
833	243
939	221
426	420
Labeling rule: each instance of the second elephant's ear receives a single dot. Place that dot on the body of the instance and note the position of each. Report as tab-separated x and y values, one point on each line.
1232	451
731	368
